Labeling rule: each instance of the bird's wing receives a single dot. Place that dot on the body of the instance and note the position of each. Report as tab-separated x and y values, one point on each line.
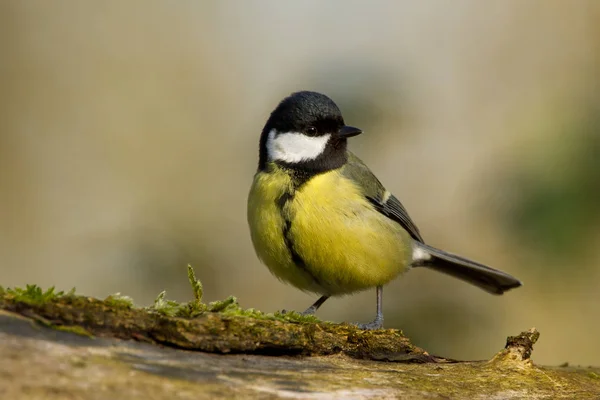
382	200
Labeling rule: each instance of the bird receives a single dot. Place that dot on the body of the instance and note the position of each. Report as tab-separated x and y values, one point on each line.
321	221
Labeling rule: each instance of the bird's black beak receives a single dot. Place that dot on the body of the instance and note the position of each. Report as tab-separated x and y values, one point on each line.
348	131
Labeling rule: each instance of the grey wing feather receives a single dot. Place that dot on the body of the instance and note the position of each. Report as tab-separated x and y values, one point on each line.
384	202
393	209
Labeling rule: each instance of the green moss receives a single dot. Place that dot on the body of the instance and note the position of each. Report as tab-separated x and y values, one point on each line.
164	306
229	307
196	288
73	329
119	301
222	305
34	295
294	316
593	375
172	308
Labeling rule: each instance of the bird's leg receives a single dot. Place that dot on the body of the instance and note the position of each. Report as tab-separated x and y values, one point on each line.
312	309
378	322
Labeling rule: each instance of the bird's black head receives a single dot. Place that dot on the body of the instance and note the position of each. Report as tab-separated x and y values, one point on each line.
306	132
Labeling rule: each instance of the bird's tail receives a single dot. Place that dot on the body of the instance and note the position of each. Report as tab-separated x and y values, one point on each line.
489	279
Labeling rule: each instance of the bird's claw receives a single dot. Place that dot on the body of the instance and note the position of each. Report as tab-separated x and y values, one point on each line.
377	324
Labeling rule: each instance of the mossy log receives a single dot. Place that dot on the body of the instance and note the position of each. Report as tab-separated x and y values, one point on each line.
214	332
68	346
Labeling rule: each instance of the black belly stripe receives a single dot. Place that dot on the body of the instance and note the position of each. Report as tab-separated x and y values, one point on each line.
296	258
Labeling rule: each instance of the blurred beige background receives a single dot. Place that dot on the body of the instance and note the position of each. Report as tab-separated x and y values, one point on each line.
129	131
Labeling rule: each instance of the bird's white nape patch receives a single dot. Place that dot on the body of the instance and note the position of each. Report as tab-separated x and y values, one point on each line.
293	147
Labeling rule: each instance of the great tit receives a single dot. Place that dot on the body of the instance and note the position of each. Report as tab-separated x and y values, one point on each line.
320	219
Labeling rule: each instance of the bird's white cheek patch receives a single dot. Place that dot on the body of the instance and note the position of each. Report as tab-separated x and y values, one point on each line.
295	147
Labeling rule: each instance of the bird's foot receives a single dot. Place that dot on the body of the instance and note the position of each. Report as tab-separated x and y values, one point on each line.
309	311
376	324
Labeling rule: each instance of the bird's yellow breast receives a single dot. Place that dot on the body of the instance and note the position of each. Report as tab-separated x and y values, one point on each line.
324	236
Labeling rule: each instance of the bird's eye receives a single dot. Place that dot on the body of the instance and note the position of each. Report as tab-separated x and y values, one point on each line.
311	130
